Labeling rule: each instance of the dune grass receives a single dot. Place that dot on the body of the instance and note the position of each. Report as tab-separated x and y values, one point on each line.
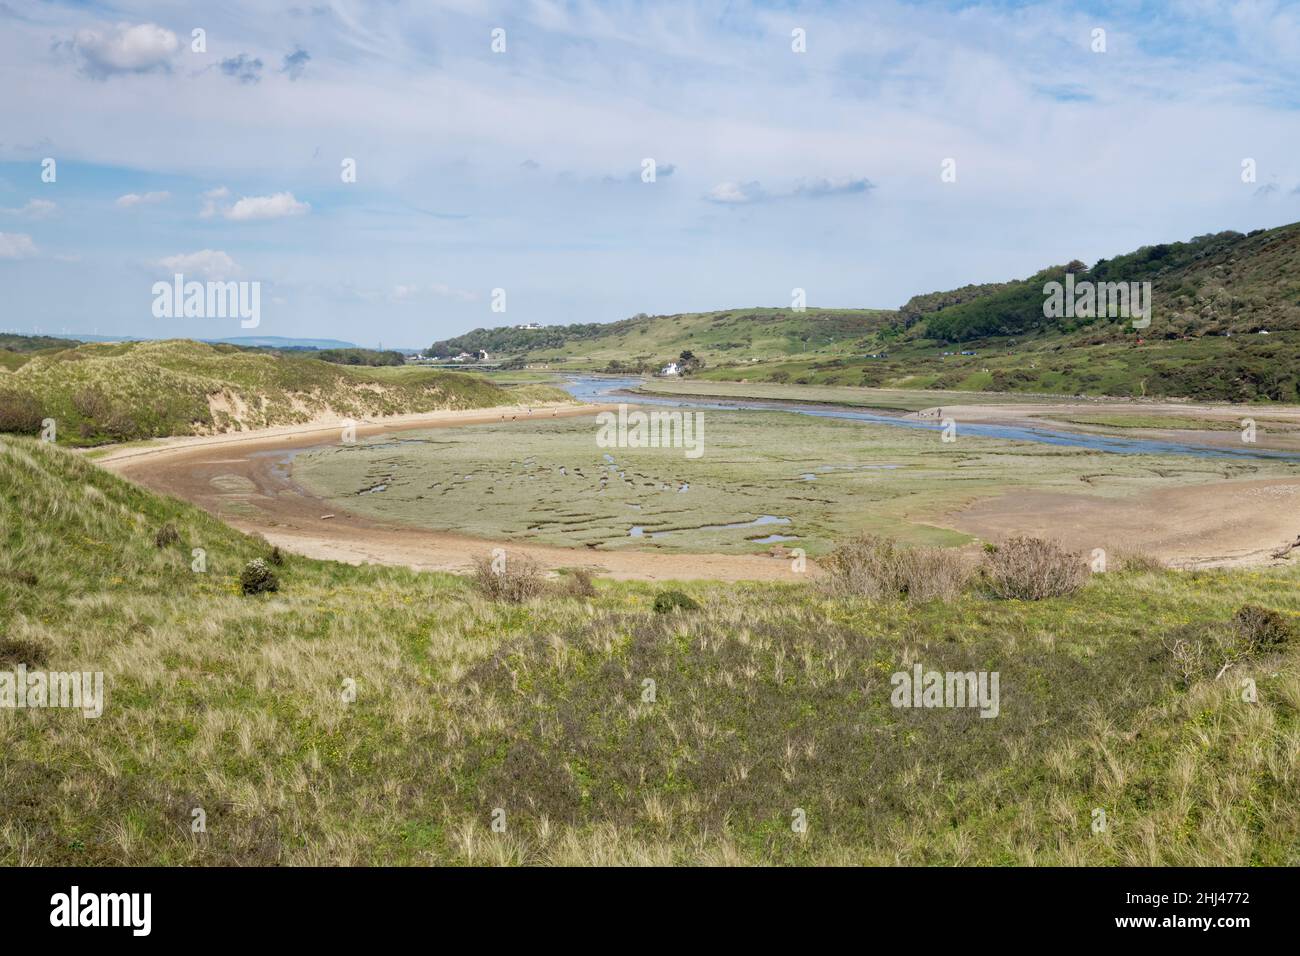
110	392
538	717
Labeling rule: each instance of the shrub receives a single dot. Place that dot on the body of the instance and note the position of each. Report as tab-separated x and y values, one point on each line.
1140	563
166	536
26	578
580	584
14	651
1031	569
668	601
276	556
514	581
877	568
20	413
1205	651
258	578
1261	627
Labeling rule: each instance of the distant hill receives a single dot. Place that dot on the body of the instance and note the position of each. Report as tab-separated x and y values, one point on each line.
647	342
246	341
1225	326
102	392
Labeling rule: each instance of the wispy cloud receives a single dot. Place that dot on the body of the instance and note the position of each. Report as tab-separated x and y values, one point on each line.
733	193
295	64
34	209
207	263
142	199
16	245
244	68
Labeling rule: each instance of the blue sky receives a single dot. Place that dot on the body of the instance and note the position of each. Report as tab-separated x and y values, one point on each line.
521	169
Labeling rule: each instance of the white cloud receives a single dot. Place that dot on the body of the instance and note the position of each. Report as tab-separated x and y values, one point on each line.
404	293
209	263
123	48
138	199
736	193
16	245
210	199
267	207
35	209
449	292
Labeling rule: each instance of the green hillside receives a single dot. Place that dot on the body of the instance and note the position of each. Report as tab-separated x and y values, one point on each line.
1214	298
769	699
650	341
102	392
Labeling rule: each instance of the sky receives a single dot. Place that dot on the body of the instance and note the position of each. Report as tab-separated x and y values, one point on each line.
862	152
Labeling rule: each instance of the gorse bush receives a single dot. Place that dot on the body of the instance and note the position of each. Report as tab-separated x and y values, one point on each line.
512	580
878	568
668	601
20	413
1206	651
1262	628
14	651
1030	569
258	578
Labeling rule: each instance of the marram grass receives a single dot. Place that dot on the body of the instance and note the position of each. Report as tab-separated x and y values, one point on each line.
482	733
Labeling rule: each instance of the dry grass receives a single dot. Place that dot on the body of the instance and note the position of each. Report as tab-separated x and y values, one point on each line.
765	700
877	568
511	579
1031	569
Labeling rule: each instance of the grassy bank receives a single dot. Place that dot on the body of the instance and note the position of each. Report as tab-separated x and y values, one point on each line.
100	393
767	701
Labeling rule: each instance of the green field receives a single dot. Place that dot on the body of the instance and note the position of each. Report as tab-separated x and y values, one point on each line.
769	700
549	482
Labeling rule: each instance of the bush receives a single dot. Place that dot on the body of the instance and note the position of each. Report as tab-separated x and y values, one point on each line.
20	413
580	584
276	556
1262	628
514	581
1030	569
14	651
667	601
877	568
258	578
1140	563
166	536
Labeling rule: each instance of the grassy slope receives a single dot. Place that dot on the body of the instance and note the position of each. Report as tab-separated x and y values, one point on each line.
121	391
770	699
714	336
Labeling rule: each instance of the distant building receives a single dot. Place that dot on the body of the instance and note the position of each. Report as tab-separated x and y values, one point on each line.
483	356
529	326
671	369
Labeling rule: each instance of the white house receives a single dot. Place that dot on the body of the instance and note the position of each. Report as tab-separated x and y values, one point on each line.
671	369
